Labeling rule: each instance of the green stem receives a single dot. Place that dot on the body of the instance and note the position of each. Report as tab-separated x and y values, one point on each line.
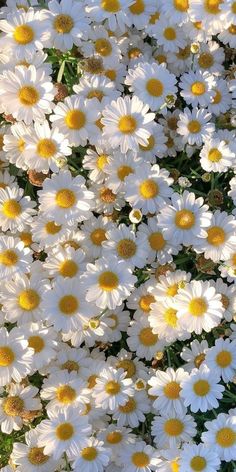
61	71
168	357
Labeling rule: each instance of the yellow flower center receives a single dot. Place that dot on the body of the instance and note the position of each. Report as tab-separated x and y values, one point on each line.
75	119
101	161
156	241
13	406
7	356
184	219
126	248
133	53
28	95
198	88
23	34
103	47
127	124
172	390
26	238
169	34
98	236
129	407
205	60
63	24
145	302
94	323
199	359
11	208
232	29
65	394
183	53
71	366
68	305
214	155
172	290
92	380
215	236
217	98
224	301
111	6
212	6
46	148
201	388
112	387
65	198
108	281
8	258
140	459
68	268
106	195
181	5
197	25
198	463
197	307
123	171
96	94
150	145
194	126
174	466
155	87
52	228
128	366
64	431
153	18
160	58
173	427
137	8
115	437
224	359
171	317
89	453
29	299
148	189
36	456
110	74
226	437
36	343
147	337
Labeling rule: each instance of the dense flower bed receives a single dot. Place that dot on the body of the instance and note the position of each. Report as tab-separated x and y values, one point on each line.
118	236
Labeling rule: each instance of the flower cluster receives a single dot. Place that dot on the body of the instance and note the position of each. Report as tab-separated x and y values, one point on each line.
118	236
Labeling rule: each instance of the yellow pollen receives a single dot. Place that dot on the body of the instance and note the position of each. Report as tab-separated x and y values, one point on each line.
70	366
173	427
110	74
205	60
133	53
101	161
156	241
197	25
126	248
63	24
214	155
68	268
36	343
108	281
36	456
128	366
92	380
115	437
26	238
137	8
98	236
197	307
198	88
89	453
28	300
150	145
174	466
160	58
46	148
140	459
199	359
129	407
147	337
94	323
65	198
183	53
75	119
172	390
215	236
155	87
224	301
13	406
103	47
65	394
107	196
217	98
194	126
148	189
111	6
112	387
68	305
23	34
52	228
64	431
198	463
124	171
184	219
172	290
7	356
11	208
170	34
28	95
224	359
145	302
212	6
171	317
96	94
154	18
8	258
232	29
226	437
201	388
127	124
181	5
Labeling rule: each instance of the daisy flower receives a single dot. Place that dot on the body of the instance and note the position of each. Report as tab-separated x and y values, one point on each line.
27	94
15	356
141	298
163	321
221	359
99	87
139	457
151	83
43	341
209	13
197	88
221	101
170	431
118	167
95	233
228	298
95	161
102	46
142	340
166	387
195	457
211	57
159	248
62	390
14	257
195	126
176	10
94	455
156	144
216	156
14	144
116	438
194	355
16	211
112	388
199	307
65	262
127	123
64	431
108	282
220	436
132	413
169	35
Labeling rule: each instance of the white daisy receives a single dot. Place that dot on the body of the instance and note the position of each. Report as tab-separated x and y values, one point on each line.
216	156
220	436
195	126
194	355
118	167
221	359
139	457
15	356
169	35
170	431
63	390
166	388
112	388
133	412
195	457
14	257
142	340
93	456
16	211
197	88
